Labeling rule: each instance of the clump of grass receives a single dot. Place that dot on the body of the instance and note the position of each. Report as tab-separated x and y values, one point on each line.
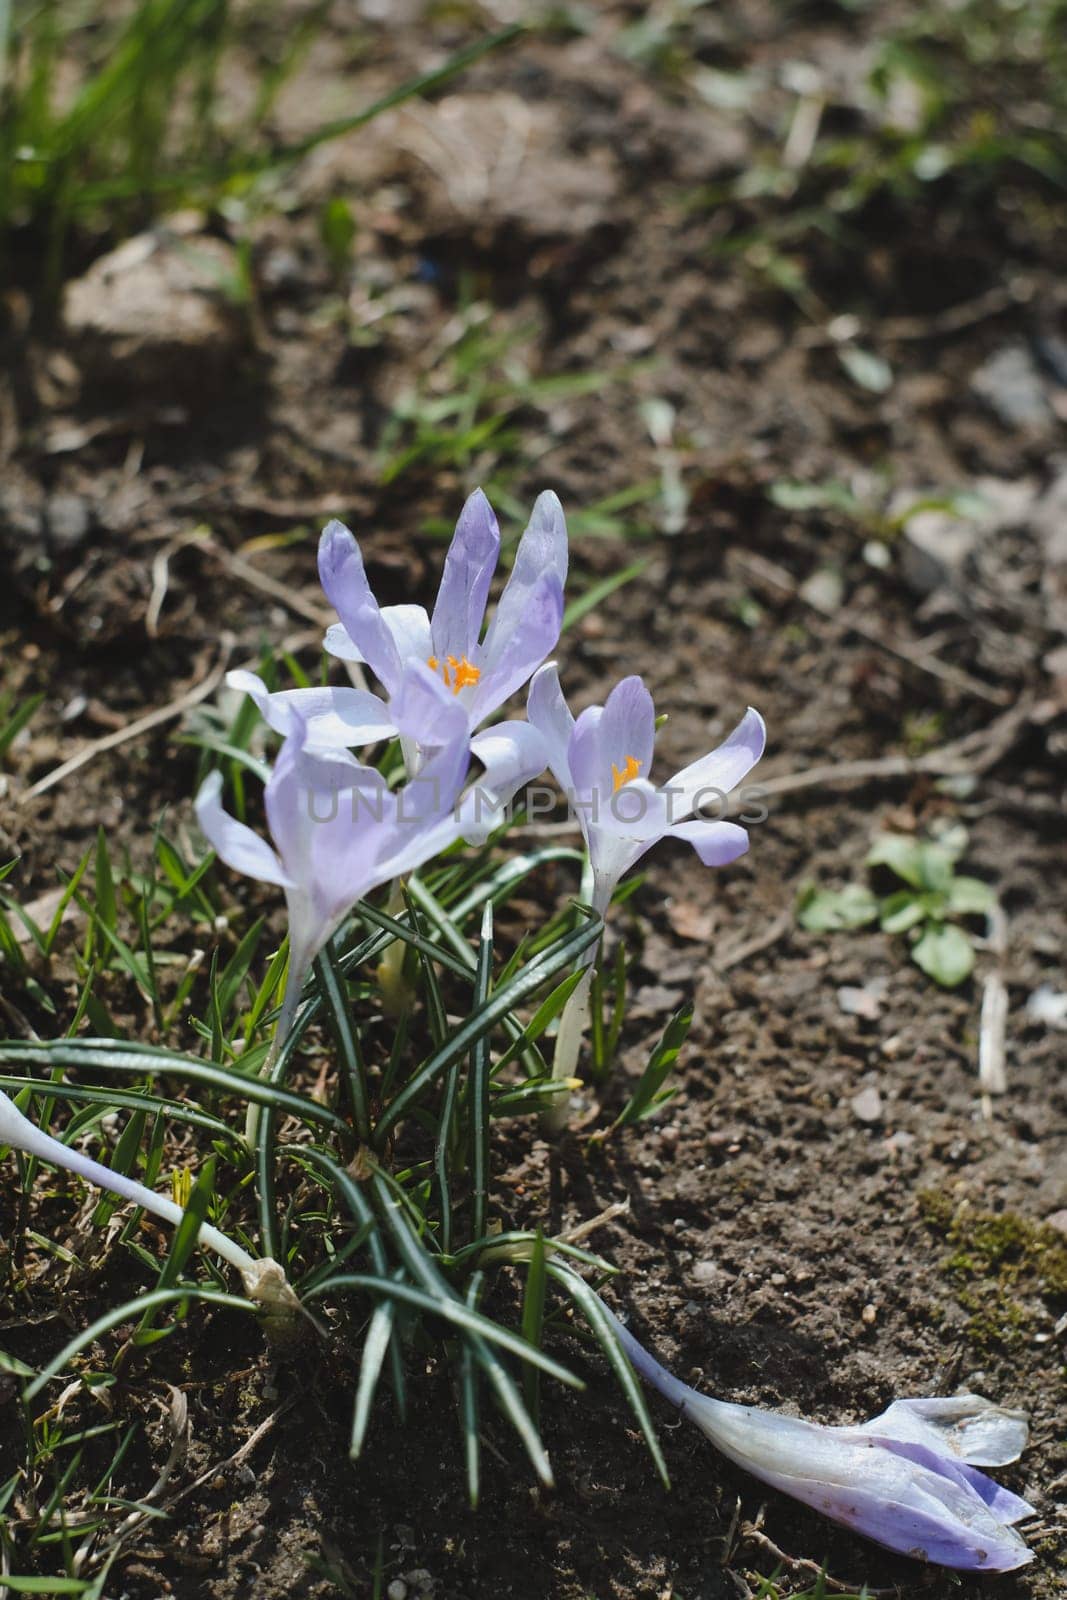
145	125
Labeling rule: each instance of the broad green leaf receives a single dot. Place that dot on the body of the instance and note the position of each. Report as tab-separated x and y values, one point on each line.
901	854
945	954
826	910
971	897
901	911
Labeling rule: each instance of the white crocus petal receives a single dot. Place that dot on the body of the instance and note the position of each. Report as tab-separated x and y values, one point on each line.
334	718
232	841
410	628
611	856
637	811
971	1427
337	642
710	779
716	843
550	715
513	754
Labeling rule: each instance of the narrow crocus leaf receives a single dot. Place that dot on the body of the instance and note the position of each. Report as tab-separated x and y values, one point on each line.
907	1479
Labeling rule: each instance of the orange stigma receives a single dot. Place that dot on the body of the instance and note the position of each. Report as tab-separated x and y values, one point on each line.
621	775
456	673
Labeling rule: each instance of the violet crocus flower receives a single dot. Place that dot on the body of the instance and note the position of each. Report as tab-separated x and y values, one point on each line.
264	1279
907	1479
602	760
338	830
480	674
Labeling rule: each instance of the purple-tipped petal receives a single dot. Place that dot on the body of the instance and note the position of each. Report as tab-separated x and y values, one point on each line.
232	841
516	654
469	567
583	751
1004	1505
344	582
542	553
627	734
549	713
426	712
716	843
710	779
904	1495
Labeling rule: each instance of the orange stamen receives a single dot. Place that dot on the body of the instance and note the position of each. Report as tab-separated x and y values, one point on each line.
621	775
456	672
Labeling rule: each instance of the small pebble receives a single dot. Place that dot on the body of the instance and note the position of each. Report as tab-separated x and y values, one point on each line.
867	1105
870	1315
397	1590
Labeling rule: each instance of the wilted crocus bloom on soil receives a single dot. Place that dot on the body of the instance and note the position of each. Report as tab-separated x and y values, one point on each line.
338	830
907	1479
264	1280
479	674
602	761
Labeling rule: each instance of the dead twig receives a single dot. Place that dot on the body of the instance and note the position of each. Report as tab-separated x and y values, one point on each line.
912	655
905	330
992	1030
751	1534
753	947
184	702
970	756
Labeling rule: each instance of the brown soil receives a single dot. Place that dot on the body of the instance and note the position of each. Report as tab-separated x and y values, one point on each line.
778	1249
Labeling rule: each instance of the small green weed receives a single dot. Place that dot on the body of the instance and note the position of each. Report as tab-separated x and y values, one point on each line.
927	909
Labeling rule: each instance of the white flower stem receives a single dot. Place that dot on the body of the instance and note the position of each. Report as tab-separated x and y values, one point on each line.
568	1046
264	1279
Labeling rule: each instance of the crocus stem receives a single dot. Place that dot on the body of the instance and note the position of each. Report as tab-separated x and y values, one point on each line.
33	1142
565	1056
294	985
264	1280
395	995
670	1387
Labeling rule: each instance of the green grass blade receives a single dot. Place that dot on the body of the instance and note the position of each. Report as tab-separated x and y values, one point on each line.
151	1061
565	951
333	991
470	1403
588	1303
131	1309
533	1322
479	1094
375	1345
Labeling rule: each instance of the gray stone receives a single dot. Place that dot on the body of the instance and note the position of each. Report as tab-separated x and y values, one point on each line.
1011	385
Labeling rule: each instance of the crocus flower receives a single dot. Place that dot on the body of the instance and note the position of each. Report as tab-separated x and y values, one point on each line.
264	1280
602	761
479	674
512	753
338	830
907	1479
